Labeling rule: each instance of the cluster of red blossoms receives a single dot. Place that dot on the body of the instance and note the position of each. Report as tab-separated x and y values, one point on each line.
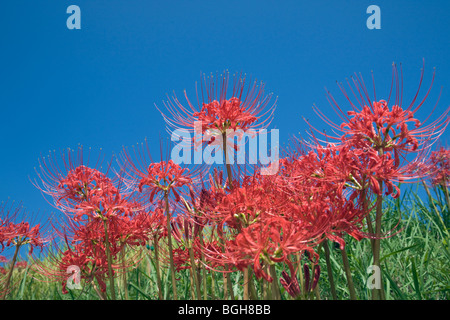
438	167
322	191
16	232
100	222
325	191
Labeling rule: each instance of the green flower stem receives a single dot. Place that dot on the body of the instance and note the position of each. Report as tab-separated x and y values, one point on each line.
158	274
376	293
124	276
276	295
348	274
194	274
169	240
13	263
109	258
227	279
330	270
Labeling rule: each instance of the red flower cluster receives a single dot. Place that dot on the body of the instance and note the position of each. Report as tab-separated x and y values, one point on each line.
164	176
15	235
322	192
226	104
16	231
99	222
438	167
18	234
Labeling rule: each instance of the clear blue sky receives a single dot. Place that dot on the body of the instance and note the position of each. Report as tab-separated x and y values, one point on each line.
97	86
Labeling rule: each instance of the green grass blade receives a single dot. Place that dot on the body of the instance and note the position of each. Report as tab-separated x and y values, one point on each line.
397	251
140	291
416	280
394	285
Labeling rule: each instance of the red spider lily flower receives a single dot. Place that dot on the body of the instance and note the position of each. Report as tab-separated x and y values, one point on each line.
107	206
19	234
327	214
90	268
3	259
226	108
100	221
69	179
8	213
385	132
255	199
331	218
88	192
321	187
243	107
265	243
91	193
83	183
121	231
86	249
153	179
321	167
345	218
437	167
82	192
165	177
344	167
252	224
383	126
73	262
